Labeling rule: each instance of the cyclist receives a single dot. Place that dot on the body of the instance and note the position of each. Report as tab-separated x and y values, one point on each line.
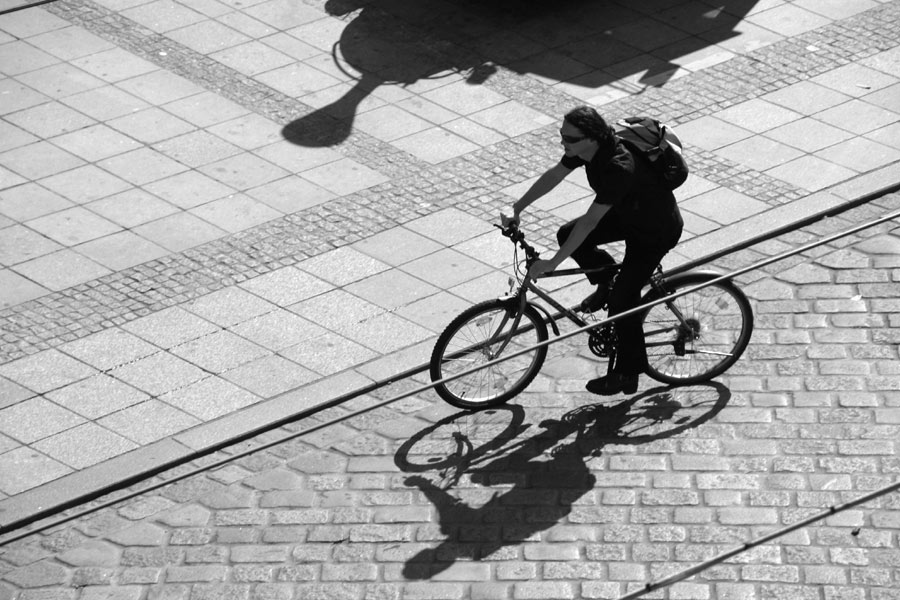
632	204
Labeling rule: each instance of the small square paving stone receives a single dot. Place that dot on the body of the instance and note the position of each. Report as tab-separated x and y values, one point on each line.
158	373
342	266
271	375
36	419
84	445
210	398
170	327
219	351
23	469
148	421
229	306
97	396
46	371
61	270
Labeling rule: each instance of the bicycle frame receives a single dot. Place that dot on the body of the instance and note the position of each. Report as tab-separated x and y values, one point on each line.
656	283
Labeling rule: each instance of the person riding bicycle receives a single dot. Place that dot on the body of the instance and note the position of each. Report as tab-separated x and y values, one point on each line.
632	204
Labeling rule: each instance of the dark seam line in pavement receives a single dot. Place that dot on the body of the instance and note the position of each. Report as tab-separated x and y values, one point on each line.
23	323
47	512
24	6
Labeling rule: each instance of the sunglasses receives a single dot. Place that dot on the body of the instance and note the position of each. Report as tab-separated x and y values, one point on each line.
572	139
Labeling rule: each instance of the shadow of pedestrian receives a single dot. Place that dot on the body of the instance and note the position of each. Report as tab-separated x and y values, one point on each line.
540	477
591	44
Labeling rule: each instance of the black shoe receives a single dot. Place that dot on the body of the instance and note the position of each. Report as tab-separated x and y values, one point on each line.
596	300
613	383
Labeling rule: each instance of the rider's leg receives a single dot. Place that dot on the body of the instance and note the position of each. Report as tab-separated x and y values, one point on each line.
589	256
631	352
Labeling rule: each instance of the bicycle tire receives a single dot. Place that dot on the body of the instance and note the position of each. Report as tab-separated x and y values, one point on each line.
439	446
719	325
461	347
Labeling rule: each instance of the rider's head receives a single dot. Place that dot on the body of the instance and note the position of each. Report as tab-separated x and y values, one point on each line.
584	131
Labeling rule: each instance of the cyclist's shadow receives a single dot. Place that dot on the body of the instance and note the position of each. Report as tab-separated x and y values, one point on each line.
548	477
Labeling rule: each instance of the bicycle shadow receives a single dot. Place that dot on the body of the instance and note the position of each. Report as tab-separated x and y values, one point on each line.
395	42
547	477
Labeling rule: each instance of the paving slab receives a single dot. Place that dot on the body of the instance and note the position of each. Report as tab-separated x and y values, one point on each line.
212	215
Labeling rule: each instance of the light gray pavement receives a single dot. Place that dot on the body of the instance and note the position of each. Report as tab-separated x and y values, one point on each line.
211	220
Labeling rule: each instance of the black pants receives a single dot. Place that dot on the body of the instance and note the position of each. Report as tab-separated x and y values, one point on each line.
641	258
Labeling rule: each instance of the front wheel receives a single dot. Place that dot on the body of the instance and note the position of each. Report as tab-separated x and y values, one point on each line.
697	336
474	338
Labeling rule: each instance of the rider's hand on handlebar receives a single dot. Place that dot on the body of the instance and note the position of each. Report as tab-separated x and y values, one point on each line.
508	219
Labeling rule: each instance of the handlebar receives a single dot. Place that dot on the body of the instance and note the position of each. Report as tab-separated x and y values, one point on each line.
515	234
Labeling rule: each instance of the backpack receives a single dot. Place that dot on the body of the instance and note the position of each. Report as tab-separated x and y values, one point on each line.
658	144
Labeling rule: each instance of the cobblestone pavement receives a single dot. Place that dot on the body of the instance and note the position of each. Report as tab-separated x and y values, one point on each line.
565	495
217	214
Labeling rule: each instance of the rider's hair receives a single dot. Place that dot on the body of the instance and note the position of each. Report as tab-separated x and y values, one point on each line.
591	124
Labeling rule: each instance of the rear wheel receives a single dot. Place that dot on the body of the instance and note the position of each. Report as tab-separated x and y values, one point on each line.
697	336
474	338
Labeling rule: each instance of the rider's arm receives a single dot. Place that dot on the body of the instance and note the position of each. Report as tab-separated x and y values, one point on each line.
546	182
584	226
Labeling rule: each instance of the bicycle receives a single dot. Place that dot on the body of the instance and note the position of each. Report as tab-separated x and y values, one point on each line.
691	337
